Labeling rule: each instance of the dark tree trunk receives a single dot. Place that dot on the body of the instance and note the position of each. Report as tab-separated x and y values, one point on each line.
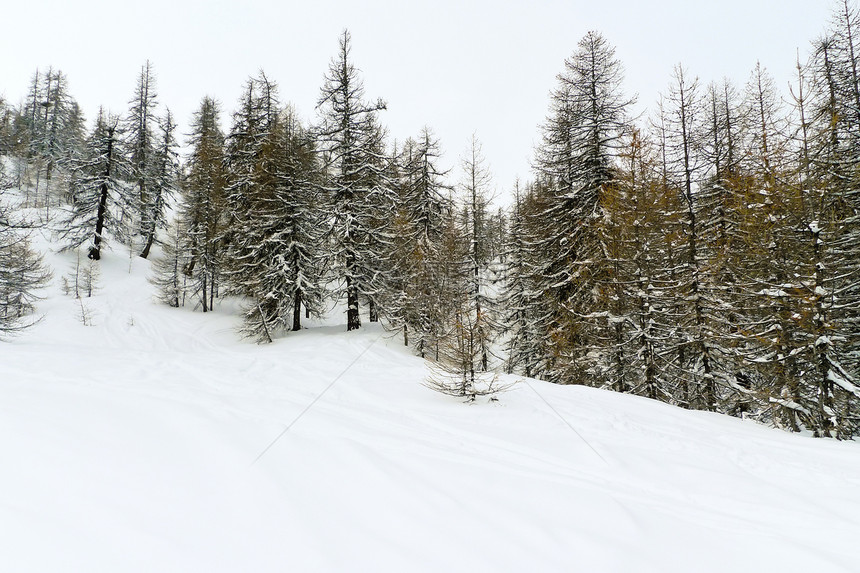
297	312
149	240
212	291
203	298
353	320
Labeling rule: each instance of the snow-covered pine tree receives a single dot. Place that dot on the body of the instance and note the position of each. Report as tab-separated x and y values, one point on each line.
299	215
248	174
636	214
140	146
579	143
99	195
828	304
756	264
520	295
419	225
164	184
6	140
7	125
697	352
360	197
249	177
50	128
168	274
278	265
201	212
475	189
457	361
380	206
22	271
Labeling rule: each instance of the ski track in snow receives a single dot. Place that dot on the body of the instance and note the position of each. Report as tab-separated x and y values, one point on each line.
128	446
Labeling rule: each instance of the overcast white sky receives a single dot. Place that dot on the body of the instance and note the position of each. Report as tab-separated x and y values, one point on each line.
459	66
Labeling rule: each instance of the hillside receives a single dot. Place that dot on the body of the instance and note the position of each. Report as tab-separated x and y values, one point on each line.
130	445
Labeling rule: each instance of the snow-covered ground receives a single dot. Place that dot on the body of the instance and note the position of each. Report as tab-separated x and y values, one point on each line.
130	445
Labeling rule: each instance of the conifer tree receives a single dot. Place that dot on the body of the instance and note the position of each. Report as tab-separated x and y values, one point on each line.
22	271
168	274
273	259
99	197
696	353
521	295
829	267
50	128
7	114
475	188
644	223
147	167
360	196
201	211
759	260
419	227
580	140
164	181
249	174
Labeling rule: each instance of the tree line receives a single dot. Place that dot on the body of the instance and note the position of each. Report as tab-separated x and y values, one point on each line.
707	256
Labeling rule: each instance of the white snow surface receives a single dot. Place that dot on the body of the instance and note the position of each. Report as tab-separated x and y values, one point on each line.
129	445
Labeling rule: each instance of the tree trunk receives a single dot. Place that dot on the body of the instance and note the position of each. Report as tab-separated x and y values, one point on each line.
353	320
205	284
297	312
265	324
212	292
150	238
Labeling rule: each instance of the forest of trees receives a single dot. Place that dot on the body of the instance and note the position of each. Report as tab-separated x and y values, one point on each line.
707	256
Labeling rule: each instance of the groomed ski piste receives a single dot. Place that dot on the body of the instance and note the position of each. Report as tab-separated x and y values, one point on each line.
157	440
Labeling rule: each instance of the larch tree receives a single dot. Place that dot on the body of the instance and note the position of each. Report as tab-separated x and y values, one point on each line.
140	125
581	137
636	212
246	171
423	204
99	195
168	276
250	179
50	128
202	204
521	293
165	176
475	189
361	199
696	354
22	272
298	215
763	253
273	259
457	355
829	270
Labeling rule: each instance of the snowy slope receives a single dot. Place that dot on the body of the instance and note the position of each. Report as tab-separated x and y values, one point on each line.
129	445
